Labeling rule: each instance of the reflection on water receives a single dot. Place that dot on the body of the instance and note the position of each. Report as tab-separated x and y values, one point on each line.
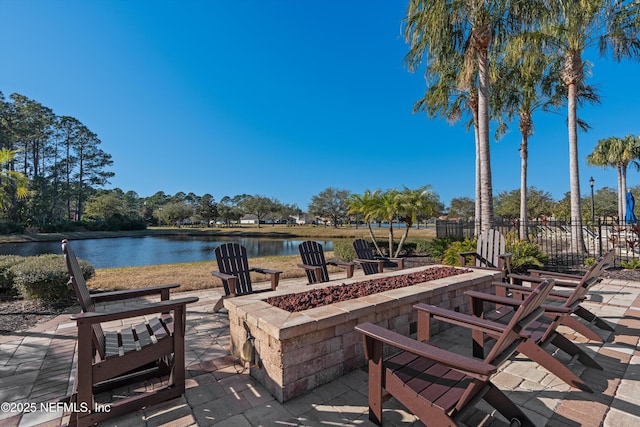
151	250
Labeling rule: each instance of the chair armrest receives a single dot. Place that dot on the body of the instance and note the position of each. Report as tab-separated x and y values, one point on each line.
500	300
349	266
554	274
460	319
368	261
519	278
223	276
468	253
456	361
309	267
131	293
264	270
92	317
339	263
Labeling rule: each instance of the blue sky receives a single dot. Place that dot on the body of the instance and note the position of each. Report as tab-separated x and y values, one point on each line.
275	98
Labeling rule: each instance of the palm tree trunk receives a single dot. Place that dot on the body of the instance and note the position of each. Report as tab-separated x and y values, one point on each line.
524	221
402	239
373	238
577	241
483	131
623	180
390	237
621	198
478	221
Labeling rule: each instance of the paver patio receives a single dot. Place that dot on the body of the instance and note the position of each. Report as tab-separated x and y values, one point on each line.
38	366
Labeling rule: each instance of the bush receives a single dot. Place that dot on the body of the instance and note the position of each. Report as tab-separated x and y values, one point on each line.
6	274
422	246
437	247
451	254
45	277
632	264
525	255
344	251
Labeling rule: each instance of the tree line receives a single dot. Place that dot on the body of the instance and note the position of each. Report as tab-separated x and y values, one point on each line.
51	164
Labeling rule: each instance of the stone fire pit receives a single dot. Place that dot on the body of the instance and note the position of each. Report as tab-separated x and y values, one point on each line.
298	351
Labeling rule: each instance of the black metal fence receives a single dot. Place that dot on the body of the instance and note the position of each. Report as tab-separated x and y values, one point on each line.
554	238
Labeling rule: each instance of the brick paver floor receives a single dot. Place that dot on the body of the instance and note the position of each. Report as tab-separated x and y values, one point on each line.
36	367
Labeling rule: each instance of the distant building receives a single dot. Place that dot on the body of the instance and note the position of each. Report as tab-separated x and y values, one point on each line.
305	218
249	219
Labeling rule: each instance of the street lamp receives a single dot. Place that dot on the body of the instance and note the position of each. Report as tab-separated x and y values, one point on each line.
591	181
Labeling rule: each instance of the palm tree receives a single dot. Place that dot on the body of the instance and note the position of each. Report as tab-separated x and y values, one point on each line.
385	207
618	153
569	28
526	85
446	99
411	203
11	182
364	204
460	33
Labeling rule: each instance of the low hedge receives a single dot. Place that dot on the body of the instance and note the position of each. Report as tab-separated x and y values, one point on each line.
45	277
6	274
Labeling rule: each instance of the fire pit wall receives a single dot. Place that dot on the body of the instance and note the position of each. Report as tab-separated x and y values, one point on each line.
297	352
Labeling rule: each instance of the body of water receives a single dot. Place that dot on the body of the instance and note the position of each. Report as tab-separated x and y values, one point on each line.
153	250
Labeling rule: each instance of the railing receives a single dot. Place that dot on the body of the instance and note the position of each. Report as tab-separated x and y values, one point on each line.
554	238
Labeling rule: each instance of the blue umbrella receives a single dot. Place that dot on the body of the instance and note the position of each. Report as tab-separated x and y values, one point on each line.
630	217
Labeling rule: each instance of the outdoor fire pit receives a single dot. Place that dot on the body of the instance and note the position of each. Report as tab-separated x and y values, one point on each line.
302	301
297	351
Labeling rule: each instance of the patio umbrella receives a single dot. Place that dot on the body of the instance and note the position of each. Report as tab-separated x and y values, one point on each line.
630	217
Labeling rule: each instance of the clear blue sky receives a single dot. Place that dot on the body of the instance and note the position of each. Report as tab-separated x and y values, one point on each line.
274	98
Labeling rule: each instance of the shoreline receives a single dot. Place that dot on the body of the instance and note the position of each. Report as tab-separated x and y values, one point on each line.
265	231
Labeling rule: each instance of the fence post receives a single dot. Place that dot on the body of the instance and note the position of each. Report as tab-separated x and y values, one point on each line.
600	235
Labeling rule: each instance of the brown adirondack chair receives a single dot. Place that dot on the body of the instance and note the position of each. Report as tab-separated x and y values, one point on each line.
314	264
543	331
107	359
490	253
579	286
437	385
372	264
235	274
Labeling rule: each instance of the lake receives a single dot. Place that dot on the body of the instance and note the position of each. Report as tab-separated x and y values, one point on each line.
152	250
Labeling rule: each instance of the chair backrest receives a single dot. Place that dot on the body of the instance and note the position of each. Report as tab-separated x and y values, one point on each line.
312	253
232	259
363	251
76	280
527	312
491	244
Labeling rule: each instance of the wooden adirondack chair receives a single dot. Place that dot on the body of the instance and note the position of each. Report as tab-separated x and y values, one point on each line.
314	264
543	331
579	286
235	274
107	360
372	264
439	386
490	252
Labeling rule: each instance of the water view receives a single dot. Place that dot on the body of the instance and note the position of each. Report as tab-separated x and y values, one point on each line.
152	250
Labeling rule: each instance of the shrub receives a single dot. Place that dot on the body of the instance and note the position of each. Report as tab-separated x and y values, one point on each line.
344	251
525	255
45	277
588	262
632	264
408	248
451	254
422	246
6	274
436	248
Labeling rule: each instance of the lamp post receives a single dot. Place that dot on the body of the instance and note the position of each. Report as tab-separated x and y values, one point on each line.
591	181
